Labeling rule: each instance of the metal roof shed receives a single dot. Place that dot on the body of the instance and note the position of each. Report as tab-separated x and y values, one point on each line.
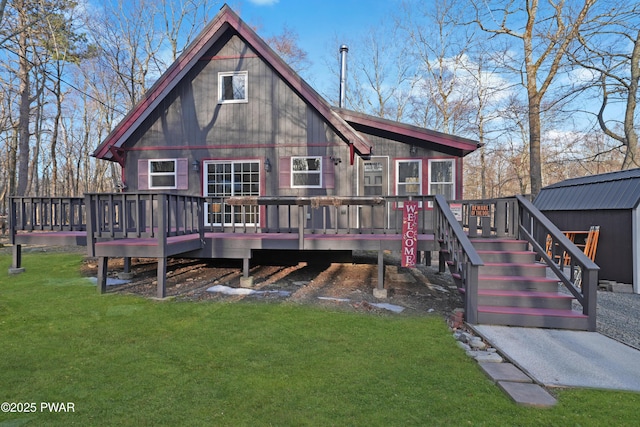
610	200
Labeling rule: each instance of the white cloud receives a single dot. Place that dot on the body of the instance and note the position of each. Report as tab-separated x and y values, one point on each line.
264	2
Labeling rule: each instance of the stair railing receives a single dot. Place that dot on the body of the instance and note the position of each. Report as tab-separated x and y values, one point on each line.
574	269
462	256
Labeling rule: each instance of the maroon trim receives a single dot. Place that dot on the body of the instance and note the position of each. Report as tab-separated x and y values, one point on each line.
225	146
220	57
377	125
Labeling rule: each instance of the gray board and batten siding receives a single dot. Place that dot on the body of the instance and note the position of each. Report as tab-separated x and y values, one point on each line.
611	201
274	123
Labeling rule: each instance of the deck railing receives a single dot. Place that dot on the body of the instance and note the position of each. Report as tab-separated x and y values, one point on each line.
313	215
575	270
143	215
46	214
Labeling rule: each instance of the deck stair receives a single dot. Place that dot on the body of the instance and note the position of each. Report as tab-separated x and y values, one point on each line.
514	290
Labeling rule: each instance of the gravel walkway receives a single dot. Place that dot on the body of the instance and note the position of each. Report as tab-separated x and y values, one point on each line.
619	317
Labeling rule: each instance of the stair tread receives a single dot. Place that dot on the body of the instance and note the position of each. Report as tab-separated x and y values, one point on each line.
529	294
481	251
516	278
530	311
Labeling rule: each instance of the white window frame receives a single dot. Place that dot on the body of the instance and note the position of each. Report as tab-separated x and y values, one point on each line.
222	75
307	172
232	210
397	175
453	177
154	174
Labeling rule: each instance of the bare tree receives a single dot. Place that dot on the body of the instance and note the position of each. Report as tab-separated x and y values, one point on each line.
610	49
545	35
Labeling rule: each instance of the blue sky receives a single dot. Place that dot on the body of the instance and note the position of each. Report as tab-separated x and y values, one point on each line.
321	25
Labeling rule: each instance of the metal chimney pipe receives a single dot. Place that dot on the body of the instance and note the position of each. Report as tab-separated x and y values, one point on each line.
343	75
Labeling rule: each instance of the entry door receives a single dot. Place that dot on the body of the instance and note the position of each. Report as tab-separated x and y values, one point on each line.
374	181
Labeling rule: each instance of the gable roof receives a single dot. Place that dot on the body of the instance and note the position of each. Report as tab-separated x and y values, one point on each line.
614	190
409	134
347	124
225	20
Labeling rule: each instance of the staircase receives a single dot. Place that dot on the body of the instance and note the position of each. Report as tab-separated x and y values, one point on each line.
513	289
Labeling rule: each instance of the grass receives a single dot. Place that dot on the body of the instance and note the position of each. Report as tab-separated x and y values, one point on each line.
125	360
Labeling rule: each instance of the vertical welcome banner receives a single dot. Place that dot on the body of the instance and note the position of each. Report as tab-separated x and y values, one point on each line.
409	234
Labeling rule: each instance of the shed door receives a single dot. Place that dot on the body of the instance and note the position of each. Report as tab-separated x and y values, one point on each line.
374	181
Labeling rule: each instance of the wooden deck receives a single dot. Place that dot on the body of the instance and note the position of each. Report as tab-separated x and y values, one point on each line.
161	226
152	225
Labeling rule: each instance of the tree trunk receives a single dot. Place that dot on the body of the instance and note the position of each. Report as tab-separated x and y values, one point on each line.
23	122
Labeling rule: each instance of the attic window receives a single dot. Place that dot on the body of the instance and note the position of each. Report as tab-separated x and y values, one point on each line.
232	87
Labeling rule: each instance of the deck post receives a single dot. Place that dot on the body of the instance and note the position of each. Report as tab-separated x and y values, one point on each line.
103	261
379	291
162	278
301	221
16	266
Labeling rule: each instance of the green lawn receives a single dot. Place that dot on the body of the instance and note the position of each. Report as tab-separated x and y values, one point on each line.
124	360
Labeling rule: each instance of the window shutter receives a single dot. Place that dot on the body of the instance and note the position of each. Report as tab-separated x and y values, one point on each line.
182	174
143	174
284	172
328	173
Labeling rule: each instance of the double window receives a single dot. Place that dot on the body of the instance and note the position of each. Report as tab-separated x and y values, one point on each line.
232	87
441	177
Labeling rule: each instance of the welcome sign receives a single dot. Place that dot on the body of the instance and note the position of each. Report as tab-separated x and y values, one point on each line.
409	234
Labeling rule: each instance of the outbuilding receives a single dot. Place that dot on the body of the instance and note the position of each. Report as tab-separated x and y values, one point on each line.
607	200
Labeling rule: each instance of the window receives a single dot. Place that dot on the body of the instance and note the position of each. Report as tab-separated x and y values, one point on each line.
374	176
441	178
408	177
231	178
162	174
306	172
232	87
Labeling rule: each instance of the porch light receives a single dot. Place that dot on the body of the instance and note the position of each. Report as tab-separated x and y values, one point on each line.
267	165
195	165
413	150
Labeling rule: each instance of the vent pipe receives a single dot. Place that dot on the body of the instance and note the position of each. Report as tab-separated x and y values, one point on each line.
343	75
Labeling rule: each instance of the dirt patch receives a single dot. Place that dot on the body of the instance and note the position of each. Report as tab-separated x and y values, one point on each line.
419	290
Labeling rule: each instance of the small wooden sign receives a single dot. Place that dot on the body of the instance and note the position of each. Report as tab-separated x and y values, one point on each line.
481	210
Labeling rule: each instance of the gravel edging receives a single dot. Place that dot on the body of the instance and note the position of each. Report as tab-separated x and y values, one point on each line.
619	317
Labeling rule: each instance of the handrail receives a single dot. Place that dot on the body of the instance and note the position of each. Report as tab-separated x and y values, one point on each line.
463	256
582	280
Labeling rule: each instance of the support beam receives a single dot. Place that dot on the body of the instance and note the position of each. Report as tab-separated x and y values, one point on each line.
162	278
379	291
103	261
16	264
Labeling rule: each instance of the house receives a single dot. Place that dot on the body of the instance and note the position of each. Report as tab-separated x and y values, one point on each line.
231	153
230	118
611	201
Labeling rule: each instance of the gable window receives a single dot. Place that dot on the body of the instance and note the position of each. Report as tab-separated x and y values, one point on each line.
441	178
306	172
408	177
232	87
162	174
